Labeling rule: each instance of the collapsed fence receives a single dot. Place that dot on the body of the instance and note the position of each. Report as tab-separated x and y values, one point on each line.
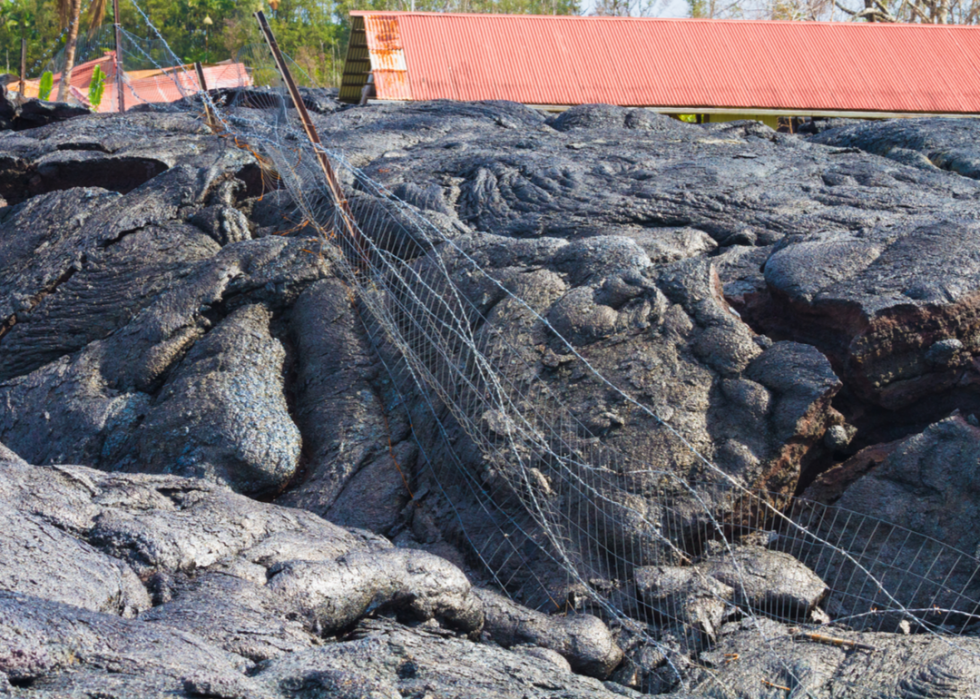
563	516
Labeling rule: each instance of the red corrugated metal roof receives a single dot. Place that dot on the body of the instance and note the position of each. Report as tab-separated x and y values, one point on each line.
832	66
153	86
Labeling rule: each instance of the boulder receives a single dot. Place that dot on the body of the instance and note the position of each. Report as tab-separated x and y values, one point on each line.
914	512
753	408
581	639
41	560
222	415
337	593
947	144
770	583
18	114
897	308
381	660
358	458
232	614
761	657
67	651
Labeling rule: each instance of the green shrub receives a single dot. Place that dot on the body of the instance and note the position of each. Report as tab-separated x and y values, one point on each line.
47	83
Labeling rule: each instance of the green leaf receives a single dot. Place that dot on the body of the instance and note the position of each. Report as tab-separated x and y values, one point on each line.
96	88
47	83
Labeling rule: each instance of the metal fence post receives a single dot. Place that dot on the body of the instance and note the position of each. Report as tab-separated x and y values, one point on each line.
120	81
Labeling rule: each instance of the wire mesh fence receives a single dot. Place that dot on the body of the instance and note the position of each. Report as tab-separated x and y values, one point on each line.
551	511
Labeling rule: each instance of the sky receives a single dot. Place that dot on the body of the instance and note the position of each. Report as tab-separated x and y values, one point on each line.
673	8
669	8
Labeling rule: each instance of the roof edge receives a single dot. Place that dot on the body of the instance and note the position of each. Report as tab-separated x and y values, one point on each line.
598	18
747	111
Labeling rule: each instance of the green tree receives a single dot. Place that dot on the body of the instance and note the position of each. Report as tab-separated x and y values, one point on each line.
27	19
70	16
181	22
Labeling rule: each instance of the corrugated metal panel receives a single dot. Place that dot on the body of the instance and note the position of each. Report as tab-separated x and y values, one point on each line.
357	65
387	57
675	63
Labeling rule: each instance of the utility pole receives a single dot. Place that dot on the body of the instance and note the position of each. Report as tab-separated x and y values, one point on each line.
120	75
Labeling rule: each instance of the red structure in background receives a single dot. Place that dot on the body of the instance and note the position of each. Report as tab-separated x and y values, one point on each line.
144	86
678	64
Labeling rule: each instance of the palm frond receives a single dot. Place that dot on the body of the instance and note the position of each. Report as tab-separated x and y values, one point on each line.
64	12
96	15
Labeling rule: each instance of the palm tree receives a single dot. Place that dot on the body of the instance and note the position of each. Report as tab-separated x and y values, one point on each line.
70	15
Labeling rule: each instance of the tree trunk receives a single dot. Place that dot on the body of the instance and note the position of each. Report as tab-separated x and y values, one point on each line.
73	22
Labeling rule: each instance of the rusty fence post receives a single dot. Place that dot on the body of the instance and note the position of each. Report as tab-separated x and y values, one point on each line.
212	119
120	75
314	137
23	65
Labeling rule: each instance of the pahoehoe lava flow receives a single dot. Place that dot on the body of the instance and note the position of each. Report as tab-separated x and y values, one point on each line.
220	476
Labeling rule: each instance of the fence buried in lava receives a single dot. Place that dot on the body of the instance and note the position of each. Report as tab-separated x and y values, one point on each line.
563	517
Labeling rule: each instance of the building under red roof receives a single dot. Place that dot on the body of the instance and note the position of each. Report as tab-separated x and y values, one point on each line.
728	68
145	86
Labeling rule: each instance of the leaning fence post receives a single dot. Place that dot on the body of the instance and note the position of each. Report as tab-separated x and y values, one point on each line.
120	81
311	133
210	115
